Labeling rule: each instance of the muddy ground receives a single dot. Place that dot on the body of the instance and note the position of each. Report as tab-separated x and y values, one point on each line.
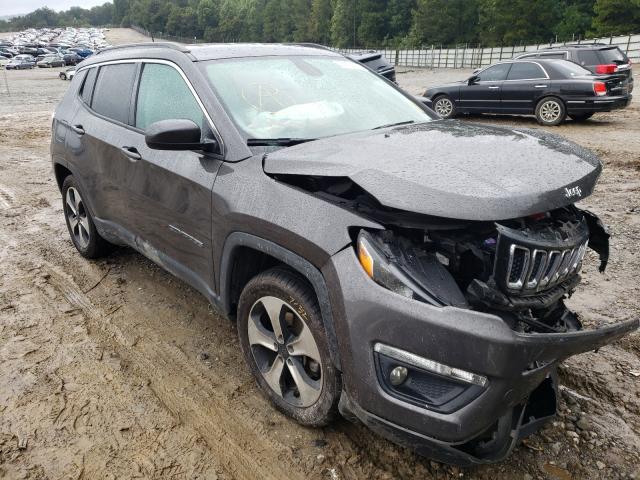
114	369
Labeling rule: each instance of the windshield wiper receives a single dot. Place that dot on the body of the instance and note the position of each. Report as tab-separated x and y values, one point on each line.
407	122
287	142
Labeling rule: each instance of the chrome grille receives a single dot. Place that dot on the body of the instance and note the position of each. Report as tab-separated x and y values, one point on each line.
538	269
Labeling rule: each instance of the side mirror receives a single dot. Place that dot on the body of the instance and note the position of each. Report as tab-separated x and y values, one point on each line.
473	79
177	134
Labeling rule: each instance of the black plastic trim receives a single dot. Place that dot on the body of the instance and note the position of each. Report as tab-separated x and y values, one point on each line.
241	239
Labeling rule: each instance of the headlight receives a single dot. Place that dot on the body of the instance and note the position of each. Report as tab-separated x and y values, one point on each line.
378	266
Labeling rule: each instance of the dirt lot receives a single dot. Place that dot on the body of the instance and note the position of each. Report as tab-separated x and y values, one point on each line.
114	369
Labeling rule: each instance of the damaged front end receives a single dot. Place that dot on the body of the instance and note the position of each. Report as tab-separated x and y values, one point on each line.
454	352
496	386
520	270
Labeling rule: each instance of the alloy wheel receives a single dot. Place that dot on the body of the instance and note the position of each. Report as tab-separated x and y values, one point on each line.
444	107
285	351
550	111
77	217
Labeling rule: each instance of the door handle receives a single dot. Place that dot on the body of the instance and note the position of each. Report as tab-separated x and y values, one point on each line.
78	129
540	86
131	152
494	88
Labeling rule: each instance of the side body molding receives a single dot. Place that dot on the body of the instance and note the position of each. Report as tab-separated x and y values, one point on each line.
240	239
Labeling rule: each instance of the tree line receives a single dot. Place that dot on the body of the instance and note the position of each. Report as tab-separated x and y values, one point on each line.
361	23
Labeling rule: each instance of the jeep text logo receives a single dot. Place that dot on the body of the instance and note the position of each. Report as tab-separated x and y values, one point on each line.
573	192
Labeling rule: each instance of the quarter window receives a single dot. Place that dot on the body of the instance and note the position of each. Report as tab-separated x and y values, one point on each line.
164	95
495	73
87	87
112	94
525	71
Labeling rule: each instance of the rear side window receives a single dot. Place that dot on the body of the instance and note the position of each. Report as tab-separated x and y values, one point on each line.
112	94
495	73
588	57
87	86
553	55
164	95
525	71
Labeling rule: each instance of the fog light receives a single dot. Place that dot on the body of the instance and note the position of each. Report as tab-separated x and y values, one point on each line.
397	376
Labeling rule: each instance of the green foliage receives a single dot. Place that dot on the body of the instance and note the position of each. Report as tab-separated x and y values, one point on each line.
509	22
445	22
616	17
360	23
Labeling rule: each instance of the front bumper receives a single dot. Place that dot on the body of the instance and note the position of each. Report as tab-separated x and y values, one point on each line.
516	365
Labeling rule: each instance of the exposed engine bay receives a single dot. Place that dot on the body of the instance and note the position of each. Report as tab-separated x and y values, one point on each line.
519	269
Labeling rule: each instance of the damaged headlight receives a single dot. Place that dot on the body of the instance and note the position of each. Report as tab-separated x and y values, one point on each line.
378	266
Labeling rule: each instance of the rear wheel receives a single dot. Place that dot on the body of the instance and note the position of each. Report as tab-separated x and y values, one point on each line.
444	106
581	117
550	111
80	224
284	344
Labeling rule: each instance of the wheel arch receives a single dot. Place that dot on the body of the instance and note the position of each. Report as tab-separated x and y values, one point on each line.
61	172
547	96
245	255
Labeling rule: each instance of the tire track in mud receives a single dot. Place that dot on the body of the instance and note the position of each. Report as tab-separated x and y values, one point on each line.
7	198
243	448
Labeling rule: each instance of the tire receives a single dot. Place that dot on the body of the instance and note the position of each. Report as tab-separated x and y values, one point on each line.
551	111
444	106
63	76
312	397
581	117
80	224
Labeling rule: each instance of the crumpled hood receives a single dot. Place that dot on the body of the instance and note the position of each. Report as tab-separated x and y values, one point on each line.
451	169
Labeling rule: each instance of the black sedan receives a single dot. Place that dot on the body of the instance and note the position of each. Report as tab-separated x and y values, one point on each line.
548	89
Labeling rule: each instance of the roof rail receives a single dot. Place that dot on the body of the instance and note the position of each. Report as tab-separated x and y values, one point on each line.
310	45
578	45
172	45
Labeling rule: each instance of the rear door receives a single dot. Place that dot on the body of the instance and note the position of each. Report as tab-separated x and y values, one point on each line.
484	94
526	82
99	130
169	192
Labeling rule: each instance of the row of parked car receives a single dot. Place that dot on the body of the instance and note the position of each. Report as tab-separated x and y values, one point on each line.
573	81
47	48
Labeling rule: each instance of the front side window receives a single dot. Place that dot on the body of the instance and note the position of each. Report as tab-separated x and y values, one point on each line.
306	97
112	93
495	73
164	95
525	71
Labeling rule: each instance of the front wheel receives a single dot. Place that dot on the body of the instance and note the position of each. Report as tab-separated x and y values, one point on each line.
444	106
82	229
550	111
581	117
284	344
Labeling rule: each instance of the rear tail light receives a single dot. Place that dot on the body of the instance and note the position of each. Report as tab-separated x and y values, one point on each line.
609	68
599	88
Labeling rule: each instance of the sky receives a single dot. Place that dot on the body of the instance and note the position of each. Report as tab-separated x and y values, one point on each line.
17	7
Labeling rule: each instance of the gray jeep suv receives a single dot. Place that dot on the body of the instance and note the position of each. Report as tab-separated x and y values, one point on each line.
380	262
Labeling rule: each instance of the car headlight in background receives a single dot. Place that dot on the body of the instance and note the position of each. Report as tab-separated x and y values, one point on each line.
378	266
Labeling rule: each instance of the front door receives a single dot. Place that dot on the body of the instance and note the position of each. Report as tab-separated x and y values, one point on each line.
170	191
484	91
